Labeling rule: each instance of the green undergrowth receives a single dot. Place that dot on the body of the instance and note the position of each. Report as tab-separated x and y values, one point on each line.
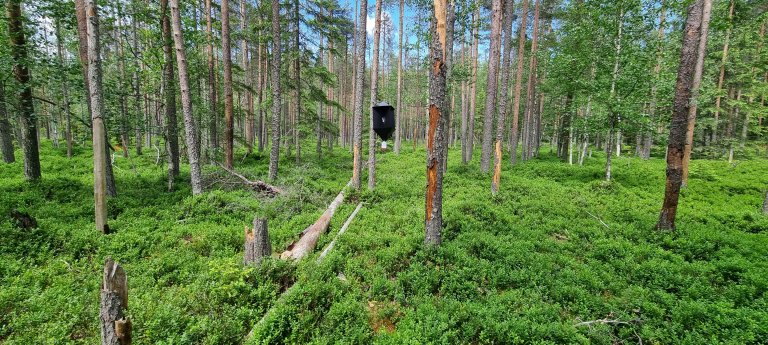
557	246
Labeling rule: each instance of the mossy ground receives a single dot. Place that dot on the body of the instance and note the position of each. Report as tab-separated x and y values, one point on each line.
521	267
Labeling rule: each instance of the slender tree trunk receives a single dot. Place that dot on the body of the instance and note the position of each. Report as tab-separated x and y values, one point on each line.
504	97
612	116
492	89
245	64
212	123
648	136
193	153
169	87
681	110
6	138
473	92
136	78
297	79
357	141
721	77
398	112
374	96
530	103
274	156
97	110
518	81
436	138
698	70
64	90
226	49
27	118
765	204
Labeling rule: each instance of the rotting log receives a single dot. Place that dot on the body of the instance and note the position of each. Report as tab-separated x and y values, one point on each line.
258	185
308	238
257	245
115	327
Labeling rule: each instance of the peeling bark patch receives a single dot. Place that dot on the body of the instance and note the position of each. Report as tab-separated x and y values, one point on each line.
432	166
496	169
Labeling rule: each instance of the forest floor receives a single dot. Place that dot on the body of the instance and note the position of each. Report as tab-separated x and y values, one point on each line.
556	249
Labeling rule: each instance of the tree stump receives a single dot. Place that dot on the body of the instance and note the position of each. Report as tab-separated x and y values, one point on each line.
115	327
257	245
765	204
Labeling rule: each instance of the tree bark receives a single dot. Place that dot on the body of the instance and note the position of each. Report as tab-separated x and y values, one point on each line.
6	138
226	51
257	245
27	118
681	108
193	152
274	156
506	62
250	136
492	88
172	132
530	103
64	90
648	136
436	138
518	81
698	70
357	141
721	77
212	123
97	110
374	95
765	204
398	111
612	116
115	327
308	238
473	87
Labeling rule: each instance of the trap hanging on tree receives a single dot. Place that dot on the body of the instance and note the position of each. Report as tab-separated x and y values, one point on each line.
383	121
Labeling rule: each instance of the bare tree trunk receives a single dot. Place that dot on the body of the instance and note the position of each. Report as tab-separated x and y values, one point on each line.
530	103
193	153
297	79
257	244
681	109
398	112
64	91
436	138
169	87
357	141
492	89
274	156
97	110
518	81
473	92
765	204
504	97
226	51
648	136
6	138
698	70
136	78
212	123
115	326
245	52
28	118
374	95
612	117
721	78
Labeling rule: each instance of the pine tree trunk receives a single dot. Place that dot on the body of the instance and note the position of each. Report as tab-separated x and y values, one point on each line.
648	136
492	88
721	78
357	135
212	123
398	111
64	90
473	87
136	79
274	156
226	51
698	70
100	156
169	89
374	96
27	118
503	98
297	80
436	138
530	103
518	82
193	153
681	110
6	131
249	118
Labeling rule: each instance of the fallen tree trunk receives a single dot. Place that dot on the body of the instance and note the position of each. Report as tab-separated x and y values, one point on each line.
341	232
308	238
258	185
